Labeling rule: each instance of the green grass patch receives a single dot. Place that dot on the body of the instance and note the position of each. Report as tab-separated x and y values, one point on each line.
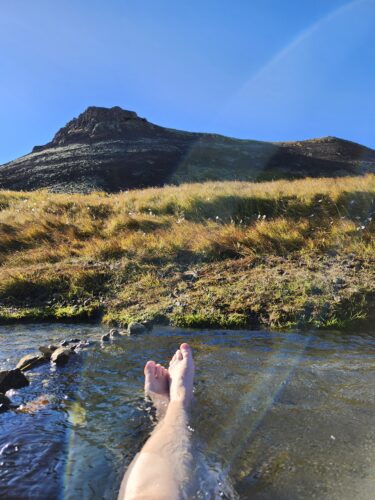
210	320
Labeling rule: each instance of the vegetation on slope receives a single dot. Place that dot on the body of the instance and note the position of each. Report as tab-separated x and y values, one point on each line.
228	254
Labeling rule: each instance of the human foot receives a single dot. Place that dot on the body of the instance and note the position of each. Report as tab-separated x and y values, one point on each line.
181	374
157	386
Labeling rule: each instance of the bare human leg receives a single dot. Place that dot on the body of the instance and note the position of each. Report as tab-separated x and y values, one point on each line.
162	470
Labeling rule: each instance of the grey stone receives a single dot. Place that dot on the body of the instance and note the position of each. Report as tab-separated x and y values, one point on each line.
84	344
67	342
61	356
47	351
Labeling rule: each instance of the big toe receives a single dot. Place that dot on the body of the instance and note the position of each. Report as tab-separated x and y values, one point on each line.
185	350
150	368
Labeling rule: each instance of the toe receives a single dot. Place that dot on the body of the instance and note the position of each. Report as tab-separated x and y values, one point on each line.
150	368
157	371
185	350
179	355
174	358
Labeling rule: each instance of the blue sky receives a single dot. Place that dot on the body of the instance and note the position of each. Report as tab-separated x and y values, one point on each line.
259	69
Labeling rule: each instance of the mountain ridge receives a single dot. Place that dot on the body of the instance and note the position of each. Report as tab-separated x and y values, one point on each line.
112	149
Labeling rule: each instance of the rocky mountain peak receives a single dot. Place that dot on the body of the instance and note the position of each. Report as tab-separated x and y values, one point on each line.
96	114
112	149
96	124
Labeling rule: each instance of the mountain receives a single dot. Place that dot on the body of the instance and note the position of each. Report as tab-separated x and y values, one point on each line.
111	149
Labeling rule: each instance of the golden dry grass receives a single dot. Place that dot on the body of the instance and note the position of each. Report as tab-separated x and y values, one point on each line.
202	220
48	241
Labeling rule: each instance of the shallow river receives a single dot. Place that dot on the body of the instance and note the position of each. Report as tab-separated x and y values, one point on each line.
277	415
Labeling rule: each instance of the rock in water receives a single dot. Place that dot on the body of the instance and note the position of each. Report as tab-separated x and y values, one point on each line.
66	342
4	403
106	337
135	328
12	379
47	351
113	333
30	360
148	324
84	344
61	356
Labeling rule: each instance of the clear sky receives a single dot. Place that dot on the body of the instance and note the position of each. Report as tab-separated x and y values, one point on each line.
259	69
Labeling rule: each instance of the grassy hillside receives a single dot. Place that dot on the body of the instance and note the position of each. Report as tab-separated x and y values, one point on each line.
226	254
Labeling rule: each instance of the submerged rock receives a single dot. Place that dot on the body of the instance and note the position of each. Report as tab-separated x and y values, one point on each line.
135	328
84	344
105	338
67	342
61	356
148	324
4	403
12	379
31	360
114	333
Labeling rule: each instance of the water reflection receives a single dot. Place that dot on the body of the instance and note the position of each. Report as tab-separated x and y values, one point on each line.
282	415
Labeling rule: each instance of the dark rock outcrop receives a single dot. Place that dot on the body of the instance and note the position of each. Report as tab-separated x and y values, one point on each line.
135	328
12	379
113	150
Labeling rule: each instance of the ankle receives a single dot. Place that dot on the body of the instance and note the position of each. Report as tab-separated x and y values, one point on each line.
177	409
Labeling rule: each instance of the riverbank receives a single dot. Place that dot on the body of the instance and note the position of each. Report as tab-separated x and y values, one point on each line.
230	254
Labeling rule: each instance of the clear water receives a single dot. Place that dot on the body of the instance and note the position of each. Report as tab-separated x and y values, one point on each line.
277	415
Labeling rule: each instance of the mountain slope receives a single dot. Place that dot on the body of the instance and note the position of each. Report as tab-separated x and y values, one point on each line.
111	149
